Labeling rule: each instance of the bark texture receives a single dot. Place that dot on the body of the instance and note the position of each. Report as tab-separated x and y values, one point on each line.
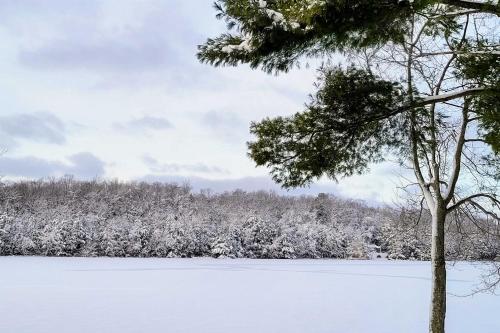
438	296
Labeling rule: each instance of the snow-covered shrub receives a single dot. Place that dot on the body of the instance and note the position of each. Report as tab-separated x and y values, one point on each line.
221	248
138	239
113	239
6	222
331	243
358	248
258	236
403	243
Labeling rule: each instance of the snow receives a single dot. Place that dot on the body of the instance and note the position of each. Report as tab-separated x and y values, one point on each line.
243	46
209	295
275	16
452	95
272	14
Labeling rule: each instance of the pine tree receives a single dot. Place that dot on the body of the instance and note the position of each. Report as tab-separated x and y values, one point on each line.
424	86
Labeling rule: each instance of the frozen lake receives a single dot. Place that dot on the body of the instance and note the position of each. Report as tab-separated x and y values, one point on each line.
247	296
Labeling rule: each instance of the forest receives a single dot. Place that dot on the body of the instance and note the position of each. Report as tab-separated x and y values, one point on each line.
66	217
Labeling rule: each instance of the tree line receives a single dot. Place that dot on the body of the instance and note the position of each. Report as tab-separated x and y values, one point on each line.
65	217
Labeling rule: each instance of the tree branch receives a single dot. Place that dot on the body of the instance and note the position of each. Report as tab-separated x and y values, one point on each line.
484	210
476	140
431	54
430	100
413	131
447	97
486	7
469	198
452	14
457	157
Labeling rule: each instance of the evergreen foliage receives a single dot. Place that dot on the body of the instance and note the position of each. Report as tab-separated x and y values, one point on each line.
354	115
349	123
274	34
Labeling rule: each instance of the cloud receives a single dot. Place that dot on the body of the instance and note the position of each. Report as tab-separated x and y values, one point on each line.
85	165
40	126
136	38
250	184
225	124
373	190
144	125
103	54
82	165
6	142
174	168
386	182
114	44
219	119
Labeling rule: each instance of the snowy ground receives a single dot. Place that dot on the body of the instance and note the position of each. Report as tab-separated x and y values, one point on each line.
206	295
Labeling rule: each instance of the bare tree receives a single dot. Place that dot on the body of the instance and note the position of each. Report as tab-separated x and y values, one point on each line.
455	169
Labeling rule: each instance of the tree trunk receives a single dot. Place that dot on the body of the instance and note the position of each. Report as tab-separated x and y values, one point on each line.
438	298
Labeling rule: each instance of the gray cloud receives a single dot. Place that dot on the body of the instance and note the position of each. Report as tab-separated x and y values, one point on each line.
100	55
6	142
40	126
172	168
227	124
82	165
147	45
250	184
86	165
144	124
218	119
255	184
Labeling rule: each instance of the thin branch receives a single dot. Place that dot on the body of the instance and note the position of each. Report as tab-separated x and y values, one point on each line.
432	54
457	157
475	140
469	198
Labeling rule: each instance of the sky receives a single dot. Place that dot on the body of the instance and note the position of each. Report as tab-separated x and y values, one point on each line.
113	90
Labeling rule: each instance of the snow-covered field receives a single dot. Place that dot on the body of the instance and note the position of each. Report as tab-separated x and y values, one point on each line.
207	295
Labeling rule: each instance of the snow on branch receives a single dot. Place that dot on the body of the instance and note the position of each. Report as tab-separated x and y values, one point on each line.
447	97
244	46
430	54
483	6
